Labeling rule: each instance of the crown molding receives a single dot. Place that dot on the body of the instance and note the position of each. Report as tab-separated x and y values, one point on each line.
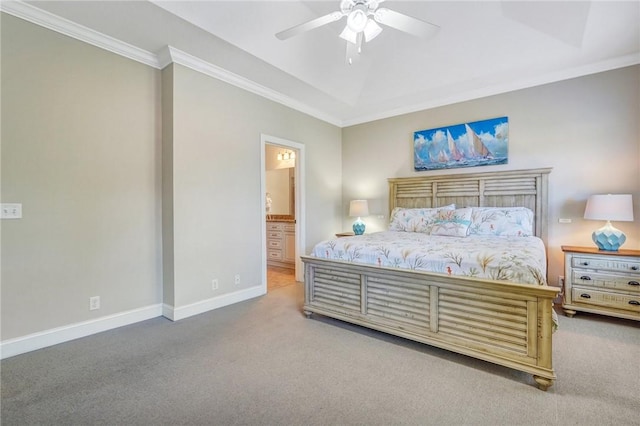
172	55
553	77
55	23
157	60
169	54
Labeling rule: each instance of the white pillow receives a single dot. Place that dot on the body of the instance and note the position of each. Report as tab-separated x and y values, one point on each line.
502	221
452	223
415	220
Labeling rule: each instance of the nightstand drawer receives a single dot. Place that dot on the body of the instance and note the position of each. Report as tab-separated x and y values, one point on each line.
611	300
274	234
608	281
606	263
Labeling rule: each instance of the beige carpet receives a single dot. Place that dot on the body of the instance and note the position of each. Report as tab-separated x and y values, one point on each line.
261	362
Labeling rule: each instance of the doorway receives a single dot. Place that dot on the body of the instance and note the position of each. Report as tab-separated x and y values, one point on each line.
282	197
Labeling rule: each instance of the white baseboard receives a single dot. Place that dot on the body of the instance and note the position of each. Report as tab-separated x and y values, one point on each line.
54	336
181	312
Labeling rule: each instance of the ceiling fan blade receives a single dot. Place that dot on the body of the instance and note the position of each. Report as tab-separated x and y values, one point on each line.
405	23
310	25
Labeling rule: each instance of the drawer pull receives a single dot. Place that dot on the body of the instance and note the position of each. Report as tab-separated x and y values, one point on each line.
634	302
634	268
633	283
585	295
585	278
585	263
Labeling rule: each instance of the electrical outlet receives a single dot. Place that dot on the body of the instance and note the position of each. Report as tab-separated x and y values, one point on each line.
237	279
214	284
94	303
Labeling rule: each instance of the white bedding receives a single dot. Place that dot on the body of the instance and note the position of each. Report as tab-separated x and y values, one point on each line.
516	259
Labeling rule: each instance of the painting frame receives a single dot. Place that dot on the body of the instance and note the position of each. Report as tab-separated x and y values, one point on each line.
470	144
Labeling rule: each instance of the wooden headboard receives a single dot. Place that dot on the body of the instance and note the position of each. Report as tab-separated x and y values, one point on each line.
511	188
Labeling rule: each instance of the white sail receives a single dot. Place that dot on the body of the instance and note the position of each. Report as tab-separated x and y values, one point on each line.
443	157
476	147
456	154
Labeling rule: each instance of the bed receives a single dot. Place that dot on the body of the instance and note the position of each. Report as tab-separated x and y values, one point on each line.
504	318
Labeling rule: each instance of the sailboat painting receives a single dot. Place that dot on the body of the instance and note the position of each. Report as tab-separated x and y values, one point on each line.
479	143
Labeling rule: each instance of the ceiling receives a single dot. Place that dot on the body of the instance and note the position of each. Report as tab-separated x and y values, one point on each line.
482	48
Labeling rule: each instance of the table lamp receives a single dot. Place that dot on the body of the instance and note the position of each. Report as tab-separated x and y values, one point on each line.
609	207
358	208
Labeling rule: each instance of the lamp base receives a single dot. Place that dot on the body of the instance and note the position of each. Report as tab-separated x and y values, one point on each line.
608	238
358	227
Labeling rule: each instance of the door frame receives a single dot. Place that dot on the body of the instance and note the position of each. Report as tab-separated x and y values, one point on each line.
299	200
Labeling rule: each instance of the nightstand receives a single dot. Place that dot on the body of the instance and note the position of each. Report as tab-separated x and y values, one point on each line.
601	282
345	234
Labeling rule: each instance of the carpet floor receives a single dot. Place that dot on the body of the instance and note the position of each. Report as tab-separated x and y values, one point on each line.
262	362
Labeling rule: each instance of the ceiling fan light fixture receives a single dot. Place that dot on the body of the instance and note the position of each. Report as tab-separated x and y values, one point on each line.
371	30
363	17
349	35
357	19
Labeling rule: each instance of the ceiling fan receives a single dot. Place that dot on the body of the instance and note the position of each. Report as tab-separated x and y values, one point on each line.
363	17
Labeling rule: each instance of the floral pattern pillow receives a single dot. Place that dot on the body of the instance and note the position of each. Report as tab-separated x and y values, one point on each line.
452	223
415	220
502	221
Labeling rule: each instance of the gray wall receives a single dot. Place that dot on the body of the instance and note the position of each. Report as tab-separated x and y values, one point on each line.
81	152
116	163
587	129
217	203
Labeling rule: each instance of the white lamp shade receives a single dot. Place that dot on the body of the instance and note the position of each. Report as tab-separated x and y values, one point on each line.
357	20
615	207
358	208
372	30
350	36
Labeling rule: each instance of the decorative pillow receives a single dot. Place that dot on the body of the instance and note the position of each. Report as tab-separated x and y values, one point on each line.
452	223
502	221
415	220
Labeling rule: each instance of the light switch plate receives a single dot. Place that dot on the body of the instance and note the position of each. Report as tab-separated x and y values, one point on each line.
11	211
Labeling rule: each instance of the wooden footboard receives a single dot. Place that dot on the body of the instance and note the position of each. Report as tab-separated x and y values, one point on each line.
504	323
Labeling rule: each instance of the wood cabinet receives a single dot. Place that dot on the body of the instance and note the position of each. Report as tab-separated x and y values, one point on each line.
281	244
602	282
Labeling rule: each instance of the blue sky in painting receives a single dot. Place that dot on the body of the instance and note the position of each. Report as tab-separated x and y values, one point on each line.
430	145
